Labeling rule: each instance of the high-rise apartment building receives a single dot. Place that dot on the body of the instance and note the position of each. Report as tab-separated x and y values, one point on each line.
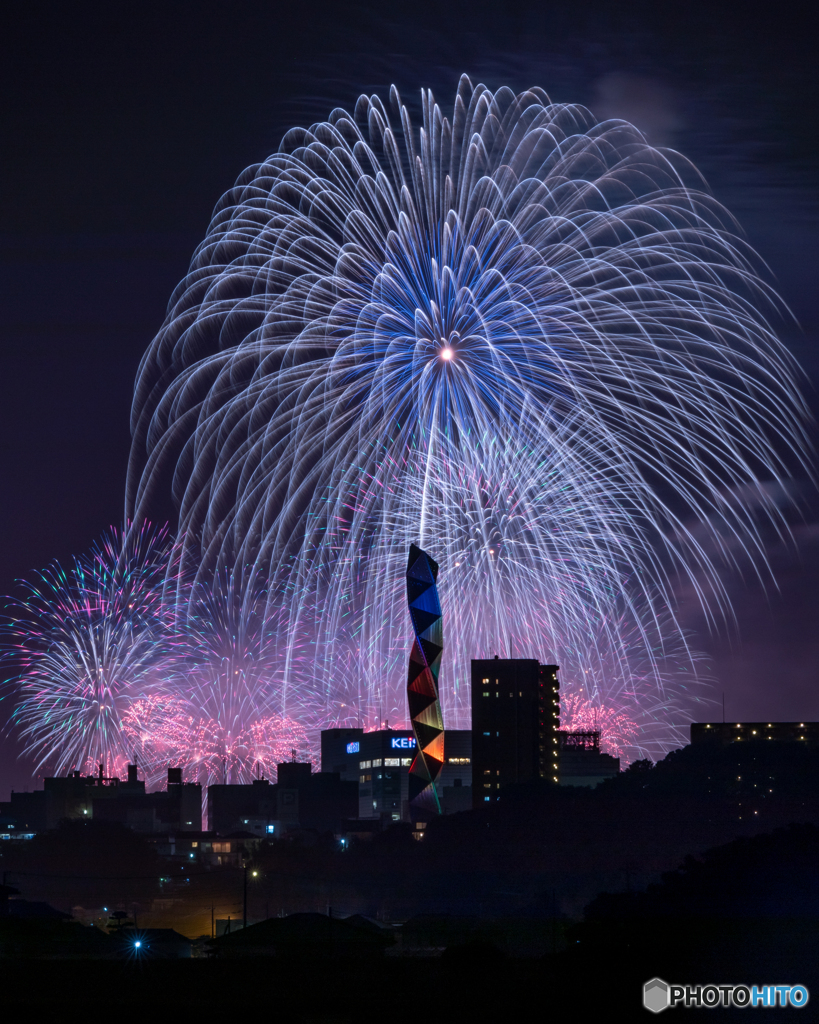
515	722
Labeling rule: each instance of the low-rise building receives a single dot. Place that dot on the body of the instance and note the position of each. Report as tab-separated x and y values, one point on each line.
178	807
580	760
301	798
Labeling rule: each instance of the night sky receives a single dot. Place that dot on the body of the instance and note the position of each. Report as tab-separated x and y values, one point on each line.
124	123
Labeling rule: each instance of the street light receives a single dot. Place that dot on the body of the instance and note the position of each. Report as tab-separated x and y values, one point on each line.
244	895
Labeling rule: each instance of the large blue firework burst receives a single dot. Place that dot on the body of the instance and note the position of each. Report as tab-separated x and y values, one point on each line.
522	338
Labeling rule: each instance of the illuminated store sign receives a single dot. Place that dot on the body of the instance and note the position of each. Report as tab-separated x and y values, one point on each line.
403	743
353	748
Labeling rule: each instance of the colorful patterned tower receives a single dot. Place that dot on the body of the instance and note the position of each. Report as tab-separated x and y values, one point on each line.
422	685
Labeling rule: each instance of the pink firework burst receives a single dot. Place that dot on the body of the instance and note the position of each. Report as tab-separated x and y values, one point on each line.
217	713
169	730
617	730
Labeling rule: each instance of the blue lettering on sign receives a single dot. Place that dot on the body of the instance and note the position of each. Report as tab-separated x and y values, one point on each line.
352	748
402	742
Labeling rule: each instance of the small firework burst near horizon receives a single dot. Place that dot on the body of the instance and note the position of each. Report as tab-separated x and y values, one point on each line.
86	640
119	659
618	732
217	711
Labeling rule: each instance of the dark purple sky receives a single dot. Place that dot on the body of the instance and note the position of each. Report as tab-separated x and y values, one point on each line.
125	122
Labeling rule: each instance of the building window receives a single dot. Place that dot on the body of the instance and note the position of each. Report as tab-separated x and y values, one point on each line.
392	762
365	764
486	693
377	762
406	762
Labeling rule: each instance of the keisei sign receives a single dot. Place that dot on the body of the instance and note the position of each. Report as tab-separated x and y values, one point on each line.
402	742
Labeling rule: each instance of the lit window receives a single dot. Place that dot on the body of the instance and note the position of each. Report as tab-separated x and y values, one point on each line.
406	762
487	785
486	693
485	682
365	764
392	762
194	845
376	763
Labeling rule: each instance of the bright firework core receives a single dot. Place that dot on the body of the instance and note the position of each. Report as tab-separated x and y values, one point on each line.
447	353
